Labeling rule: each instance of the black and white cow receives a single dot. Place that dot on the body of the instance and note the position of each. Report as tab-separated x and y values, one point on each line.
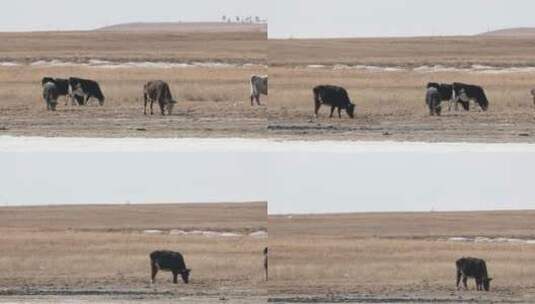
467	92
84	89
158	91
50	95
172	261
447	94
62	86
259	86
334	96
473	268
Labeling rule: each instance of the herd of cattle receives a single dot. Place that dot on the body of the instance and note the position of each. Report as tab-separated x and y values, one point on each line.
165	260
80	91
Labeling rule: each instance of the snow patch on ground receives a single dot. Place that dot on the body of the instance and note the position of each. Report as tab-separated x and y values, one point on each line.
206	233
482	239
106	64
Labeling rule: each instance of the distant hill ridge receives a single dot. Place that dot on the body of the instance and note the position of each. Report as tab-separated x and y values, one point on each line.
212	27
511	32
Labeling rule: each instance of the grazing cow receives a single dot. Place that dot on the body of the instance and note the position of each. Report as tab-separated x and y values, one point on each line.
334	96
473	268
533	94
259	86
62	86
433	101
159	91
266	262
50	95
169	261
466	92
83	89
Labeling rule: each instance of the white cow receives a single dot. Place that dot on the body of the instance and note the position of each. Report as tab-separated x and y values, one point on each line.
259	86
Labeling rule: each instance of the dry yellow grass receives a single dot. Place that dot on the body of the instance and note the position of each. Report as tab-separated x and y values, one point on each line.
101	249
211	102
453	51
393	255
239	47
393	104
390	105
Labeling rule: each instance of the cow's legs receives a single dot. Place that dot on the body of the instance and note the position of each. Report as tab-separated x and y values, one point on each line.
332	111
317	106
252	100
258	99
162	108
154	271
458	279
339	112
145	106
151	103
465	282
175	275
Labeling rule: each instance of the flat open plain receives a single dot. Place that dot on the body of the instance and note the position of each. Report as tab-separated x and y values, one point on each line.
399	257
101	253
386	79
208	73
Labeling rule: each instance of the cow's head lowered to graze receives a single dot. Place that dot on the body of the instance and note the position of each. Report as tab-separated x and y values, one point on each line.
334	96
169	261
351	110
185	275
486	283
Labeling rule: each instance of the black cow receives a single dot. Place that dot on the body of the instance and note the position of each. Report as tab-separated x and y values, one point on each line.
62	86
83	89
433	101
166	260
334	96
466	92
158	90
473	268
50	95
266	262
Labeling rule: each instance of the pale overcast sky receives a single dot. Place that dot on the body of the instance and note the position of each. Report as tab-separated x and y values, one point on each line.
369	18
30	15
287	18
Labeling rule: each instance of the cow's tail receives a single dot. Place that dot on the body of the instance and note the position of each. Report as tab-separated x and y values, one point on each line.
317	97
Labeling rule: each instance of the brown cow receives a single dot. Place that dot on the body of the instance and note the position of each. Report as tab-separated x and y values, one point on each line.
159	91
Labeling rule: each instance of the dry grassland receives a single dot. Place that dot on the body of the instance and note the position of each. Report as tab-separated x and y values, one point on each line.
389	256
406	52
236	47
101	250
211	102
390	105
